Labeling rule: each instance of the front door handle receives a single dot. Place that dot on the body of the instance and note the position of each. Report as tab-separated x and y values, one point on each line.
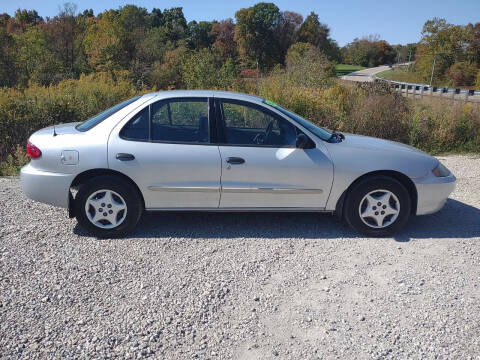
235	160
125	157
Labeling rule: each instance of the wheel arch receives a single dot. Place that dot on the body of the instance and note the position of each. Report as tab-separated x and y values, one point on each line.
92	173
402	178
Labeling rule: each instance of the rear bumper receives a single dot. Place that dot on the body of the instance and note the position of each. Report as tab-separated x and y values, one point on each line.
46	187
433	193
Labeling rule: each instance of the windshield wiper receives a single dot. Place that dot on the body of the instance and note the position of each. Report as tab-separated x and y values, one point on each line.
336	137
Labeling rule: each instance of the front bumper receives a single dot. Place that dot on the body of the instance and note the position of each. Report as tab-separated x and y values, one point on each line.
433	192
46	187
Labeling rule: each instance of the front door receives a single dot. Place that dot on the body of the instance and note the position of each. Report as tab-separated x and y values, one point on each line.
261	166
165	149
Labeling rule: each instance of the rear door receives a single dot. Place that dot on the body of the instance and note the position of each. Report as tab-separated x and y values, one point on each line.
261	166
166	149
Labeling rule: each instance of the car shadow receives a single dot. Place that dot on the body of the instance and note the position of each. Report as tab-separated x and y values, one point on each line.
455	220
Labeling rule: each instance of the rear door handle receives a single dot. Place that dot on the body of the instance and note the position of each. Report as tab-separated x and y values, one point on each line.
235	160
125	157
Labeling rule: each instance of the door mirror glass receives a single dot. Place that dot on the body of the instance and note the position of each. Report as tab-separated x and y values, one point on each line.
303	142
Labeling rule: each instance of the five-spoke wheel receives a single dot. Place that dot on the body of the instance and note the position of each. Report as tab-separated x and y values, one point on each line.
106	209
377	206
108	206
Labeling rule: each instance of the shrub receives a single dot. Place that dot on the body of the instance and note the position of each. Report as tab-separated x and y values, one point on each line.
308	66
14	162
24	112
462	73
201	70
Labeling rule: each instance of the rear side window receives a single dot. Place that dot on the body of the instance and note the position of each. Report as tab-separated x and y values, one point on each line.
137	128
97	119
180	120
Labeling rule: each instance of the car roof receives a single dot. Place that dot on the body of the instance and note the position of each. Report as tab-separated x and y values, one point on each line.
206	93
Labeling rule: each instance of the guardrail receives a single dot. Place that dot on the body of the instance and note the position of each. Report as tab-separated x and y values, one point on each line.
426	90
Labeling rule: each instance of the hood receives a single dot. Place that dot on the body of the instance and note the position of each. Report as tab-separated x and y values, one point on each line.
60	129
362	154
371	143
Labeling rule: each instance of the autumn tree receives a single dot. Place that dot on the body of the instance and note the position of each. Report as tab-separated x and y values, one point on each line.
224	34
285	31
62	31
369	51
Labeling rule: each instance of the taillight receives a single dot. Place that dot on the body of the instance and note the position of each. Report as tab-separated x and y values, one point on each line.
32	151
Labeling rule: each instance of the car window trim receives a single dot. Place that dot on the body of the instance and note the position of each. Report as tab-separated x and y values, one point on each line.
221	126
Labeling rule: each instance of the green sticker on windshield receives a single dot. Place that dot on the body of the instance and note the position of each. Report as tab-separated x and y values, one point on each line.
270	102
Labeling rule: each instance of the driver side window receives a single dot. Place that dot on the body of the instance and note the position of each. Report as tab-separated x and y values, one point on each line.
247	125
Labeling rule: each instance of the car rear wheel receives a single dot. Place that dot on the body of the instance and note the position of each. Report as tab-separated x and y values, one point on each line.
108	206
378	206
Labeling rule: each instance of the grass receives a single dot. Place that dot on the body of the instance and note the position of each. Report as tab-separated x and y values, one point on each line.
408	76
344	69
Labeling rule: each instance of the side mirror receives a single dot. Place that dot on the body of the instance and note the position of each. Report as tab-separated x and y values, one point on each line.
302	141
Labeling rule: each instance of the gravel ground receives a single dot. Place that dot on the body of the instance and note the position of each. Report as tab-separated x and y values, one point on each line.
241	286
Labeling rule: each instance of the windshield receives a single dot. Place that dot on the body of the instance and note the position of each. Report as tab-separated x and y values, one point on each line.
97	119
317	130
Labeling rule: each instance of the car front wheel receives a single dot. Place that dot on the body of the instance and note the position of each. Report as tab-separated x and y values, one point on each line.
107	206
378	206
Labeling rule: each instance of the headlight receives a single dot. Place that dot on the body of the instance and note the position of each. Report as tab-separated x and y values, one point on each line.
440	170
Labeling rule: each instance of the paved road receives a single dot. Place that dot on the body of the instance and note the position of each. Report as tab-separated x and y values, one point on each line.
365	74
241	286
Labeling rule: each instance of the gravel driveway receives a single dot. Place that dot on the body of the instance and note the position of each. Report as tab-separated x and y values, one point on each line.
241	286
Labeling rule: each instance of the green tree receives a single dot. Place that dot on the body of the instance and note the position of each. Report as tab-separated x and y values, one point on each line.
103	42
199	70
472	51
35	61
175	24
318	34
199	35
27	18
440	41
8	74
155	18
255	35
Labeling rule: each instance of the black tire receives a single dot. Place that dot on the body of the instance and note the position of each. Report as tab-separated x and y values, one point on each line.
134	206
366	186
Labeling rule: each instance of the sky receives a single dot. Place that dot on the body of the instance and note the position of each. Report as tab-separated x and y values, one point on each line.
396	21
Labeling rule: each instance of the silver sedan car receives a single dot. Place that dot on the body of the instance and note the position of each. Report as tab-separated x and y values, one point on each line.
222	151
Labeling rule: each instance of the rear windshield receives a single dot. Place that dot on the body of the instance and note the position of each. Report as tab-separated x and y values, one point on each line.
97	119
